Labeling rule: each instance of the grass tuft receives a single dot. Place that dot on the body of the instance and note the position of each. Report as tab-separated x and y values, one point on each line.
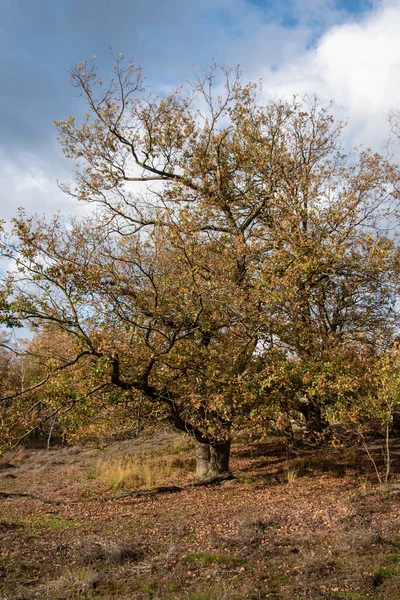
143	472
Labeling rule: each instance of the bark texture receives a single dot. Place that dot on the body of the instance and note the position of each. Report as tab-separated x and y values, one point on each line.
212	459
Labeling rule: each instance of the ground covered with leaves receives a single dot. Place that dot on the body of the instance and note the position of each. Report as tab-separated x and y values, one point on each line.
314	524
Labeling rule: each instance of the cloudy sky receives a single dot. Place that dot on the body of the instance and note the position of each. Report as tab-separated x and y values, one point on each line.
347	51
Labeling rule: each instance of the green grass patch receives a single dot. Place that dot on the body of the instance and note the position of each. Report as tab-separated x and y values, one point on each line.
392	558
49	522
385	573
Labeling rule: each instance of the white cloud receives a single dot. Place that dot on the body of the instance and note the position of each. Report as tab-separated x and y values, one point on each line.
25	182
357	65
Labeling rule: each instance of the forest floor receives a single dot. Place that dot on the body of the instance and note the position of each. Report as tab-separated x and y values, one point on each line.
312	525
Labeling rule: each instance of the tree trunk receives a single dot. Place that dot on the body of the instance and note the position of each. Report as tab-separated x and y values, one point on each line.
396	423
312	413
212	459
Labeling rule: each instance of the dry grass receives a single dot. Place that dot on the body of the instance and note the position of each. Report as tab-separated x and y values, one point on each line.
132	473
90	551
150	467
292	474
76	584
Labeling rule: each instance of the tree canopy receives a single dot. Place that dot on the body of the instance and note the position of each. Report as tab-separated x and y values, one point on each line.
236	262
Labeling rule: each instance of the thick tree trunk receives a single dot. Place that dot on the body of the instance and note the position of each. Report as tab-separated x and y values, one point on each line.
212	459
312	413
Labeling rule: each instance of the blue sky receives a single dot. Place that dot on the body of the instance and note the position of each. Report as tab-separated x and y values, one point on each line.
344	50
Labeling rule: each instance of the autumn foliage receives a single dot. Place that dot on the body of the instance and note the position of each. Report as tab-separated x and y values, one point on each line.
237	269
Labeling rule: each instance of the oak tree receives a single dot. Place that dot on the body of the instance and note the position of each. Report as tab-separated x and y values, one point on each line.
227	231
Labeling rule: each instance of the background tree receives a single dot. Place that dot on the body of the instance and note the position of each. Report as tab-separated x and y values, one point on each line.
333	282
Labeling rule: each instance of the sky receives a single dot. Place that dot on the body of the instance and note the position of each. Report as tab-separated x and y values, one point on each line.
345	51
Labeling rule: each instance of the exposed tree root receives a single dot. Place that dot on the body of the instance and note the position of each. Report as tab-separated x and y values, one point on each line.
172	489
25	495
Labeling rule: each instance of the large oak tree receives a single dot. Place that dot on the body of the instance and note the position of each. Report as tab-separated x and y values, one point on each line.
227	232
